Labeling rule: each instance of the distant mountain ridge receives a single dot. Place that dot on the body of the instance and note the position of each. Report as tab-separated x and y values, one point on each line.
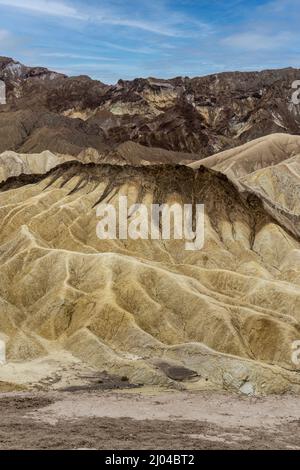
204	115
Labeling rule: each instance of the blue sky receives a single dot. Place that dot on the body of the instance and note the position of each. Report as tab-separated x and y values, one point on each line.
116	39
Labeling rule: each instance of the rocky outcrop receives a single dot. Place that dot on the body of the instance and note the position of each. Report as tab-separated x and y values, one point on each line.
202	115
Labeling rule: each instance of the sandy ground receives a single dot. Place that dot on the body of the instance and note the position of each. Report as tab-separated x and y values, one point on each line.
147	419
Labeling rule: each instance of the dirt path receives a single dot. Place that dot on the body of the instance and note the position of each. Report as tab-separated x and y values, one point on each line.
147	420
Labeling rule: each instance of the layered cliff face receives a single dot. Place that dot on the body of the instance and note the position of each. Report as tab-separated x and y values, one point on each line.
202	116
141	308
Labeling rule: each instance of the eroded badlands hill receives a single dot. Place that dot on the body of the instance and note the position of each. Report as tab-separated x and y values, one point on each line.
269	168
228	312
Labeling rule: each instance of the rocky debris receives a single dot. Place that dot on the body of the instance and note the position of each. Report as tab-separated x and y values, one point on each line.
176	371
102	381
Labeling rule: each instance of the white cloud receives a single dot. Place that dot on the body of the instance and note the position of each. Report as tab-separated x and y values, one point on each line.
135	50
165	24
66	55
3	34
7	40
45	7
156	28
253	41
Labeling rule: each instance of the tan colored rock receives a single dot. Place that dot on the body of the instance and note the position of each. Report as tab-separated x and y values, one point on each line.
268	167
15	164
229	312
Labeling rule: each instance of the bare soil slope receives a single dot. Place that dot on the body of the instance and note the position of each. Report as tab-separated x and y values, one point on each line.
223	317
269	168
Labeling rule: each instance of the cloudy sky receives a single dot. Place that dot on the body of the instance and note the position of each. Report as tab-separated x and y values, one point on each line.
112	39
